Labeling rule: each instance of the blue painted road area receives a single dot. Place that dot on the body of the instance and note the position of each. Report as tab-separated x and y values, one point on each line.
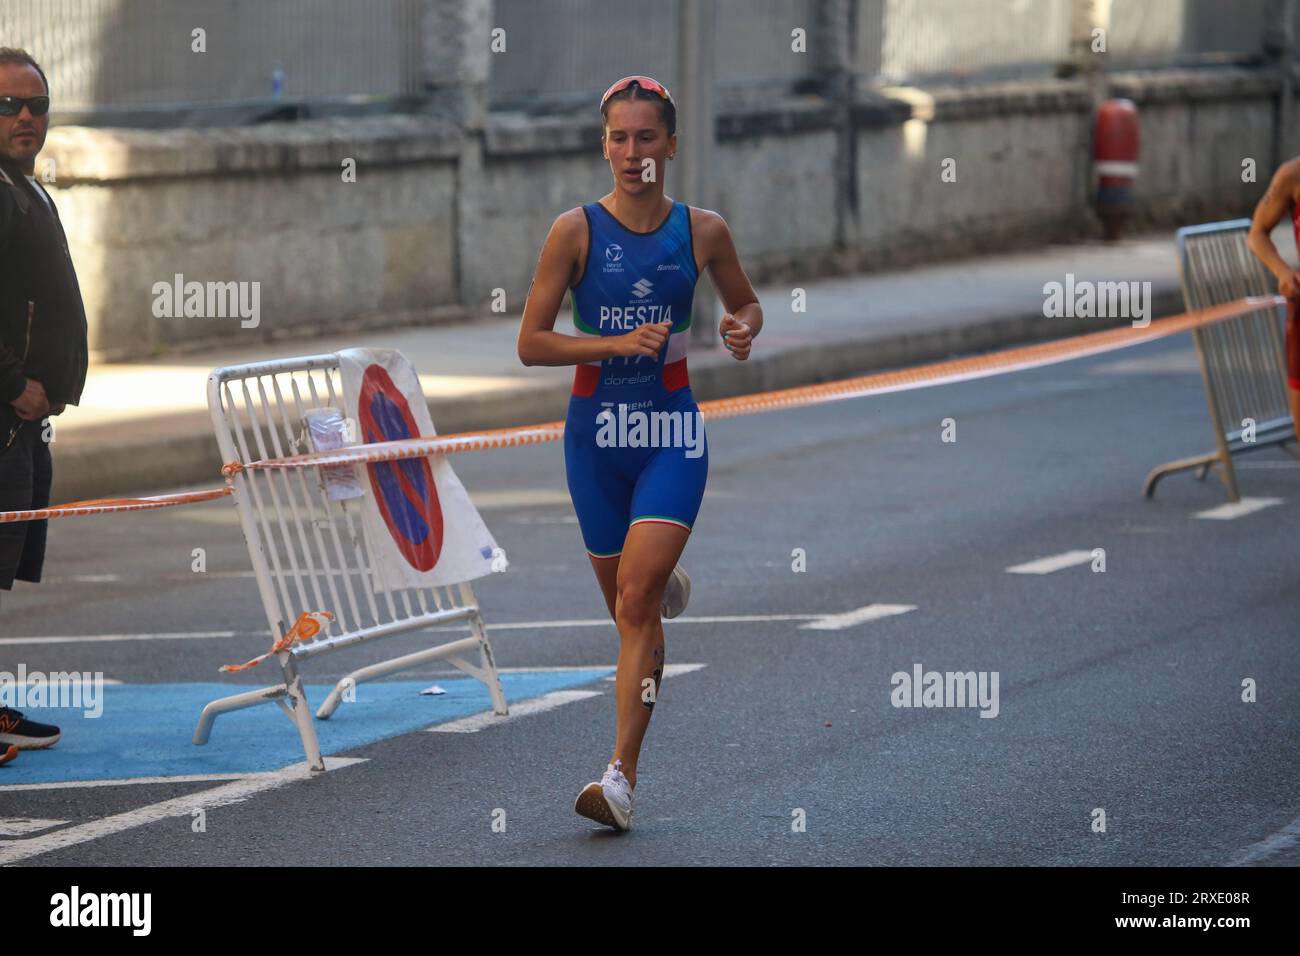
145	730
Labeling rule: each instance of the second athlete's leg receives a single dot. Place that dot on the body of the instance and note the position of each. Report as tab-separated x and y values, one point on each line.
1294	395
1293	361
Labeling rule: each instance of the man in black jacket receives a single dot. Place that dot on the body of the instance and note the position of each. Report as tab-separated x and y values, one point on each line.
42	341
42	320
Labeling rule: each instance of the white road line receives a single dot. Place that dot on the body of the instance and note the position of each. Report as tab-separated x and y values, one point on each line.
115	578
672	670
46	684
872	612
1052	563
126	781
499	626
537	705
113	638
233	792
539	669
21	826
1237	509
1283	839
482	721
1184	361
607	622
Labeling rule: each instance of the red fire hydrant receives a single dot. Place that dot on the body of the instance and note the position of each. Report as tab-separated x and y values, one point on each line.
1115	155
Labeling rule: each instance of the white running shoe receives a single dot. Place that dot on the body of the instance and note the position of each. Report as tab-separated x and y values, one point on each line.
676	593
610	801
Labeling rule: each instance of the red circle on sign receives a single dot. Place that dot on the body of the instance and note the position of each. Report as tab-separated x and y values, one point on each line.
404	490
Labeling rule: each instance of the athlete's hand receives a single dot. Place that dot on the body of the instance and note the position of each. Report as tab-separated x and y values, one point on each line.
645	339
735	336
1289	285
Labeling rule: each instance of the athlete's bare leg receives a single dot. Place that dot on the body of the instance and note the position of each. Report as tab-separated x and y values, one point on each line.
649	555
1294	394
607	575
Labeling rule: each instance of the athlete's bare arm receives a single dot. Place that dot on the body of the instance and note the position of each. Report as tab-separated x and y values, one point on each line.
744	316
1276	203
558	267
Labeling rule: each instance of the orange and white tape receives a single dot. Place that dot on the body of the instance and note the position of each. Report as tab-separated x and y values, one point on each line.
878	383
99	506
308	625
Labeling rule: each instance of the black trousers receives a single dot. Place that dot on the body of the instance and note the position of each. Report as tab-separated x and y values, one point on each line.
26	473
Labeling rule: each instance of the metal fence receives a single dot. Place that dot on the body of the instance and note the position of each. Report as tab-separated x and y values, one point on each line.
1243	364
901	40
1169	32
563	50
911	40
309	552
106	55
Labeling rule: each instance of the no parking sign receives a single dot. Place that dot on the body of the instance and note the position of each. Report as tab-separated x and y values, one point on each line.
421	528
404	490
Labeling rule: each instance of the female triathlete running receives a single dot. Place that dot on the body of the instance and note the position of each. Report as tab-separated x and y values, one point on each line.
633	440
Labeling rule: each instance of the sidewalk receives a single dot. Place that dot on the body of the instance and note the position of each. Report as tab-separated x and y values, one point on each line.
144	427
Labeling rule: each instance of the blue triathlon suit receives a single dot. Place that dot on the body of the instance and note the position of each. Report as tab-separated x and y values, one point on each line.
626	461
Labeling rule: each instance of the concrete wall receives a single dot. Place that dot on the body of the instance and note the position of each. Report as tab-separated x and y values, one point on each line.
266	205
1196	131
445	212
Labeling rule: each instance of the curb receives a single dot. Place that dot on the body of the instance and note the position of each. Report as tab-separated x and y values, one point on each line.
181	450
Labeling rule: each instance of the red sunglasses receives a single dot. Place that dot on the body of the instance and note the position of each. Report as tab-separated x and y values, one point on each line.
645	82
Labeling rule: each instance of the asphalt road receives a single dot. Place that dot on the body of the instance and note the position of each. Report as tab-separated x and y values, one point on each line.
1118	691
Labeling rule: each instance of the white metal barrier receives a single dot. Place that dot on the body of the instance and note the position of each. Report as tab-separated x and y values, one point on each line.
309	552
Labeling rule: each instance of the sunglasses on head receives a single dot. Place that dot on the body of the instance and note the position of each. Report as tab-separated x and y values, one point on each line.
645	82
13	105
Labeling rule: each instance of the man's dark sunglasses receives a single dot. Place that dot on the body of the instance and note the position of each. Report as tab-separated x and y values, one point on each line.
13	105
